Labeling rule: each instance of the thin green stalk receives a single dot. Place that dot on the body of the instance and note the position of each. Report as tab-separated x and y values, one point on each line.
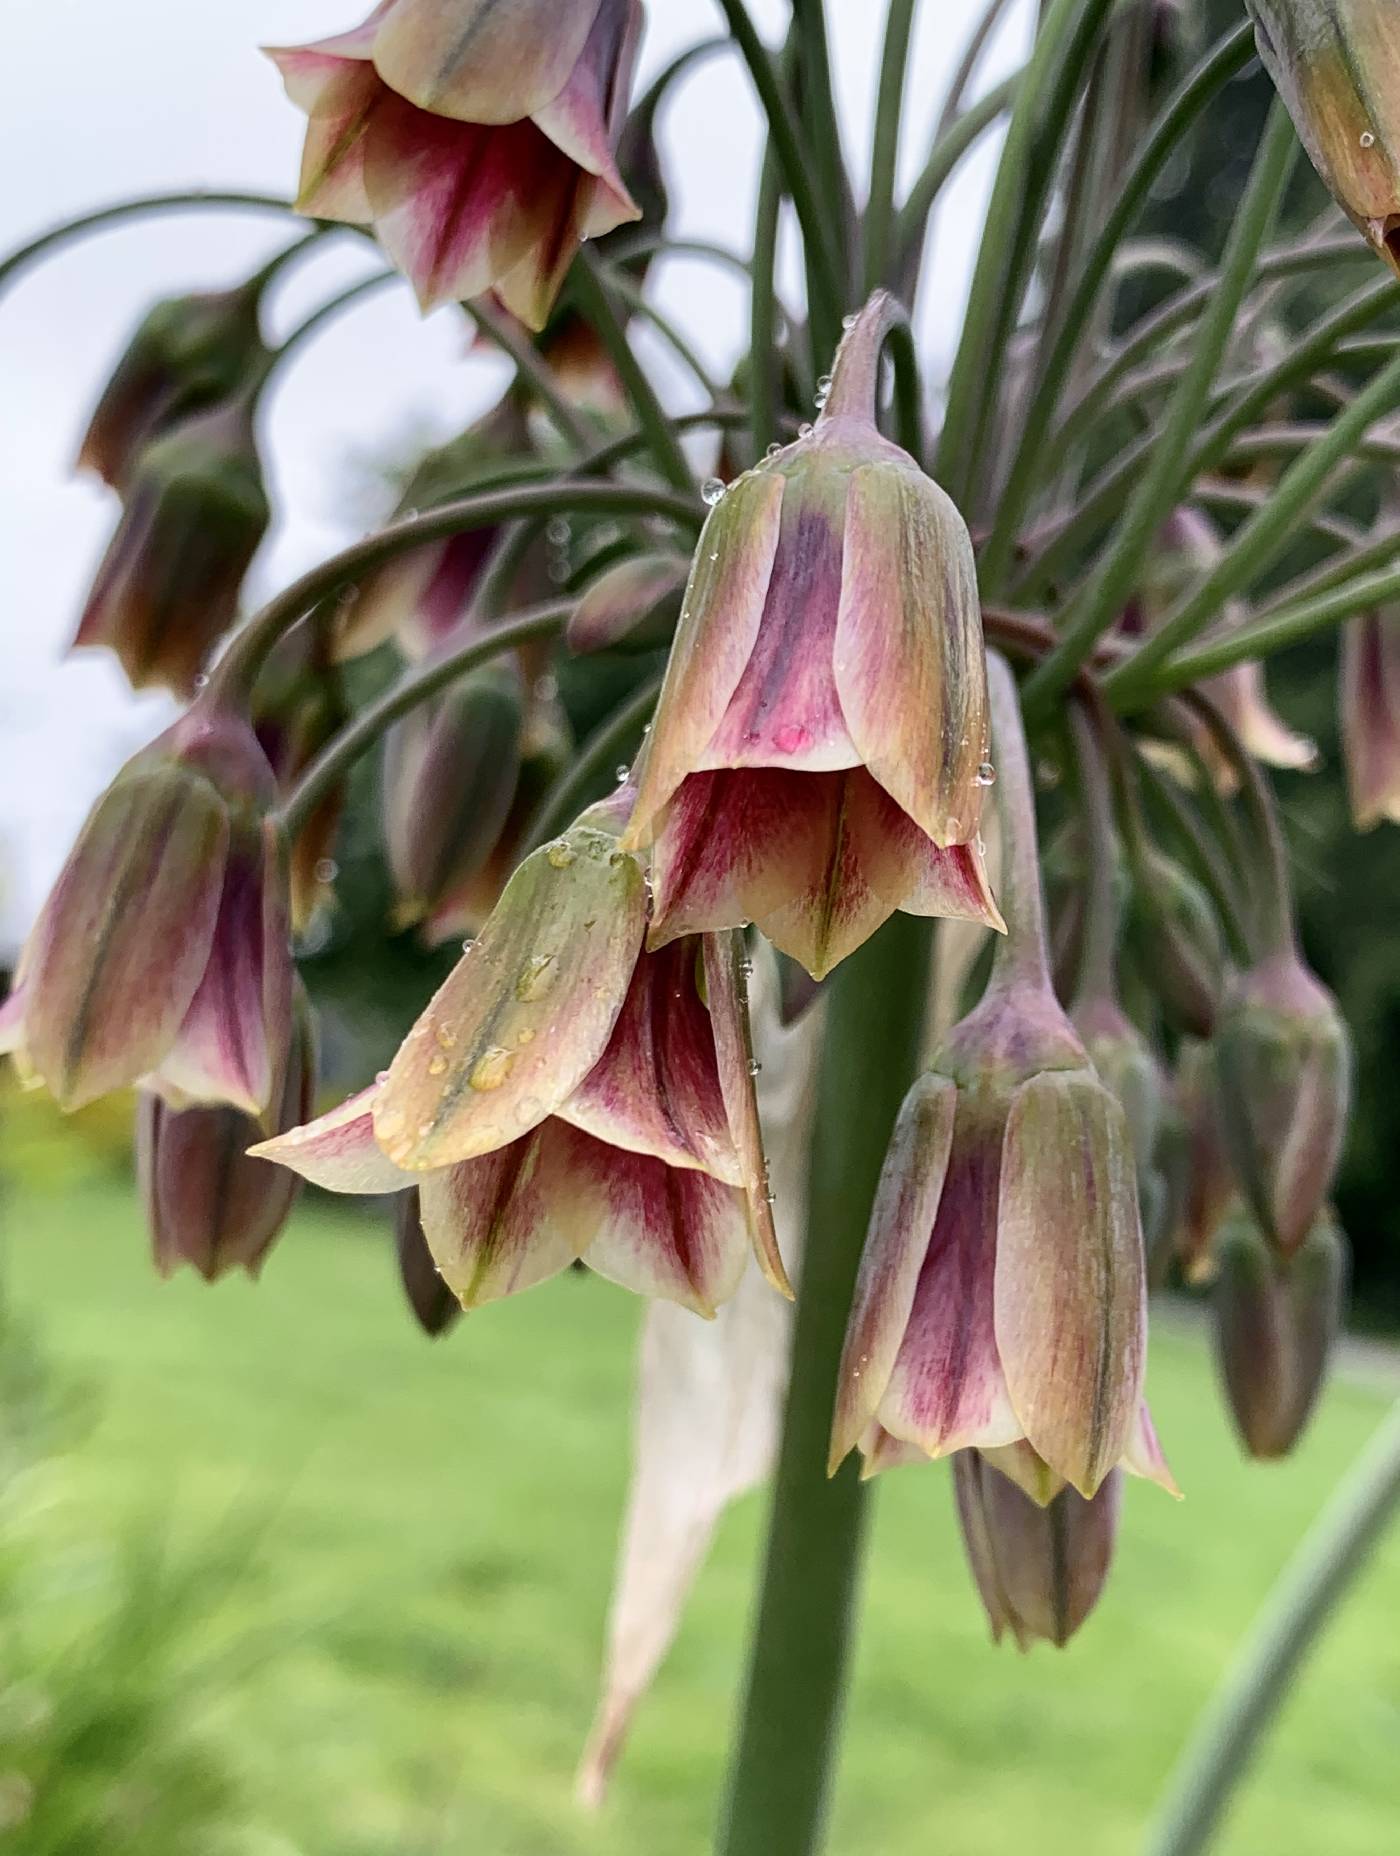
60	235
611	745
1256	544
816	219
812	69
1038	120
237	670
1273	928
1359	556
637	301
1290	626
1176	117
967	65
782	1768
884	155
1216	856
1300	1606
1225	493
532	370
339	755
764	360
319	317
947	152
1167	470
593	301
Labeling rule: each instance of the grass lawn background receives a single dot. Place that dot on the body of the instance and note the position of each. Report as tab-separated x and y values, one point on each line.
425	1609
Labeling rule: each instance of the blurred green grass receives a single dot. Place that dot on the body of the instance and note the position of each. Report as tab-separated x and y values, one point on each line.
424	1615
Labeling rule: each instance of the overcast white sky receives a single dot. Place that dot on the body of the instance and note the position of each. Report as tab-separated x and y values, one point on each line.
152	94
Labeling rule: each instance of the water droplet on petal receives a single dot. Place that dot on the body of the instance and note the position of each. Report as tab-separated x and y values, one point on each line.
201	682
491	1068
804	431
986	774
1368	140
561	854
754	1066
538	975
557	531
712	491
622	773
849	322
327	870
438	1067
773	449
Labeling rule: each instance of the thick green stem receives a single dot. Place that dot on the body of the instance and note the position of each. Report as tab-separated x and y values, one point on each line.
613	741
1167	470
590	294
780	1776
60	235
1178	114
879	211
1300	1606
1262	536
339	755
237	670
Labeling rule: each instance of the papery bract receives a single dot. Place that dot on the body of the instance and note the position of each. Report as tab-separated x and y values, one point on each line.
479	143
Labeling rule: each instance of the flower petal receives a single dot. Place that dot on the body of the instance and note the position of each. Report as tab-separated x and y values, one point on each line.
526	1012
726	988
483	61
656	1088
1143	1455
125	936
341	97
1071	1292
901	1228
585	117
909	662
502	1223
719	622
659	1230
947	1390
338	1151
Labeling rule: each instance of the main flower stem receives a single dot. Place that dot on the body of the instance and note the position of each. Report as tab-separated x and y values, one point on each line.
779	1780
1333	1553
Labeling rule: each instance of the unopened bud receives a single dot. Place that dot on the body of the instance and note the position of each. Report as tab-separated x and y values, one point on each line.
1176	940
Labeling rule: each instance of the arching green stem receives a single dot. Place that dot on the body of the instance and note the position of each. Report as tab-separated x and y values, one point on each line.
879	211
533	371
855	374
592	299
954	142
339	755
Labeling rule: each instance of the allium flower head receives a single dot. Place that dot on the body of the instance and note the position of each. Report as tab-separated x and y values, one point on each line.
477	138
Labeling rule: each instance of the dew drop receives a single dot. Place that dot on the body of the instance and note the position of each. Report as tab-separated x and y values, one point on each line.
538	975
381	1076
524	1036
622	773
491	1068
327	870
746	968
445	1037
754	1066
712	491
201	682
438	1067
824	384
558	570
804	431
561	854
557	531
468	944
849	322
986	774
1368	140
411	515
773	449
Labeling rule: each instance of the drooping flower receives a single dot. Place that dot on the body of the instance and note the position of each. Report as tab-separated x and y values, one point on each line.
567	1095
1276	1319
209	1203
187	354
1333	62
1039	1570
161	956
819	750
435	1308
1001	1299
1283	1068
477	140
1369	692
298	705
194	512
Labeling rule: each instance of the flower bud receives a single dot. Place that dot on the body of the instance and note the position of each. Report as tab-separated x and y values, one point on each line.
1333	62
435	1307
298	706
187	354
1210	1189
632	606
209	1202
1276	1319
1283	1066
1128	1066
194	513
1175	938
1039	1570
161	955
1370	716
450	772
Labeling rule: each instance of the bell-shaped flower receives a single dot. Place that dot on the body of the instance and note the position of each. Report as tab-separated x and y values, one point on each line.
478	141
1369	690
451	768
1210	1189
1038	1570
194	512
819	751
1001	1297
1283	1069
186	354
210	1203
162	955
566	1095
1276	1319
1333	62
